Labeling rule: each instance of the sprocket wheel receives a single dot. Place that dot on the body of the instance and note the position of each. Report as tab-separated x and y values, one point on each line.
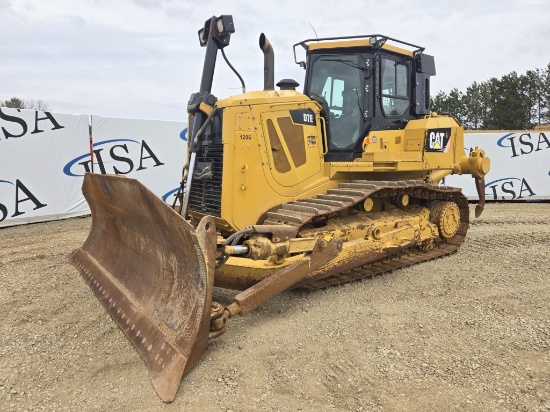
446	215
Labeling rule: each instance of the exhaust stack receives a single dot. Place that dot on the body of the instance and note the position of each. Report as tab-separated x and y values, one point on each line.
269	63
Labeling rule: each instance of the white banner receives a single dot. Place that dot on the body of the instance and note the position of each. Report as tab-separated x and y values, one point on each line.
33	149
520	166
43	157
152	151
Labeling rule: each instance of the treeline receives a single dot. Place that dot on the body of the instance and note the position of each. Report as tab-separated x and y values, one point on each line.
16	103
513	102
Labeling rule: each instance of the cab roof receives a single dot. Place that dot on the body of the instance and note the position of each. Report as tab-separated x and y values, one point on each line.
375	41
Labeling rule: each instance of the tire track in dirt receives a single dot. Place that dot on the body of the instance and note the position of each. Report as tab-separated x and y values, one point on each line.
467	332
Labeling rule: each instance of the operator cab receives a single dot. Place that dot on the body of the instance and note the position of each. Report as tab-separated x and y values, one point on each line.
365	85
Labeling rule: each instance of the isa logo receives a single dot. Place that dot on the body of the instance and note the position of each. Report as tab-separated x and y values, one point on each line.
509	188
171	196
115	156
17	198
524	144
16	127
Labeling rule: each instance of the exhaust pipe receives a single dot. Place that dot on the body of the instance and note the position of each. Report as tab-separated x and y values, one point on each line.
269	63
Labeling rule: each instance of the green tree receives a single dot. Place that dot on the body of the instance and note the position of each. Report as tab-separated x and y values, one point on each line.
488	94
512	106
449	104
545	95
474	107
511	102
438	102
16	103
536	80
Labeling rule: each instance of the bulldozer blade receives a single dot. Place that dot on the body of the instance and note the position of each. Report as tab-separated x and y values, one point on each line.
152	271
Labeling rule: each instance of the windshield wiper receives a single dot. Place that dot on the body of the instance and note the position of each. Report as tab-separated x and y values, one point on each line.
348	62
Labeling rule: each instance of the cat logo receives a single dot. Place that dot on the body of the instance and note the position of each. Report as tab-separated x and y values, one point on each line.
437	140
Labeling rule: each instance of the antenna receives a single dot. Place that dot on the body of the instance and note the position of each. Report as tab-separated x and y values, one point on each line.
313	28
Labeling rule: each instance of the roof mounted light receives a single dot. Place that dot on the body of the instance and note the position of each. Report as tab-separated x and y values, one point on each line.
203	38
377	41
220	28
224	24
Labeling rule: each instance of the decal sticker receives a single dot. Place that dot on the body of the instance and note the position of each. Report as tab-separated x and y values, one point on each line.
303	116
438	140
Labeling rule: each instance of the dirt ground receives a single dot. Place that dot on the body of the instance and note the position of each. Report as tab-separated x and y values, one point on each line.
469	332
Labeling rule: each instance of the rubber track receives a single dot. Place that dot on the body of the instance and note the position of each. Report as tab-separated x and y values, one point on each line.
349	194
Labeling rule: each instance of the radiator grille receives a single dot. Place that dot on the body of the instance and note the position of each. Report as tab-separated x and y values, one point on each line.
206	195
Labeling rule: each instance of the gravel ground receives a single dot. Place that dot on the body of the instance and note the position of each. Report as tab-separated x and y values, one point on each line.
469	332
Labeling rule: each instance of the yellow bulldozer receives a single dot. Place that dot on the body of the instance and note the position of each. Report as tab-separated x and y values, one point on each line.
281	189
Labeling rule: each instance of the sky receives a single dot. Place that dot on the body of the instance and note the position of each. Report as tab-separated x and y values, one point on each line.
142	59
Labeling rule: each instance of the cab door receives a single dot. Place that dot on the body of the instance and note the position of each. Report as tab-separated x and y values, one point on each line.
294	146
341	82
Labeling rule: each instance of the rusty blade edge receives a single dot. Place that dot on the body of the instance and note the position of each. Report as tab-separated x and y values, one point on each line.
164	360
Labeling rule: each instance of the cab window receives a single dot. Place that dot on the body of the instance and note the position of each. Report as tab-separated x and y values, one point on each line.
337	79
332	93
395	87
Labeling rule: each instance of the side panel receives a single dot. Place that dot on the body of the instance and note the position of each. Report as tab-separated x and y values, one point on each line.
425	144
269	159
443	143
293	146
246	193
